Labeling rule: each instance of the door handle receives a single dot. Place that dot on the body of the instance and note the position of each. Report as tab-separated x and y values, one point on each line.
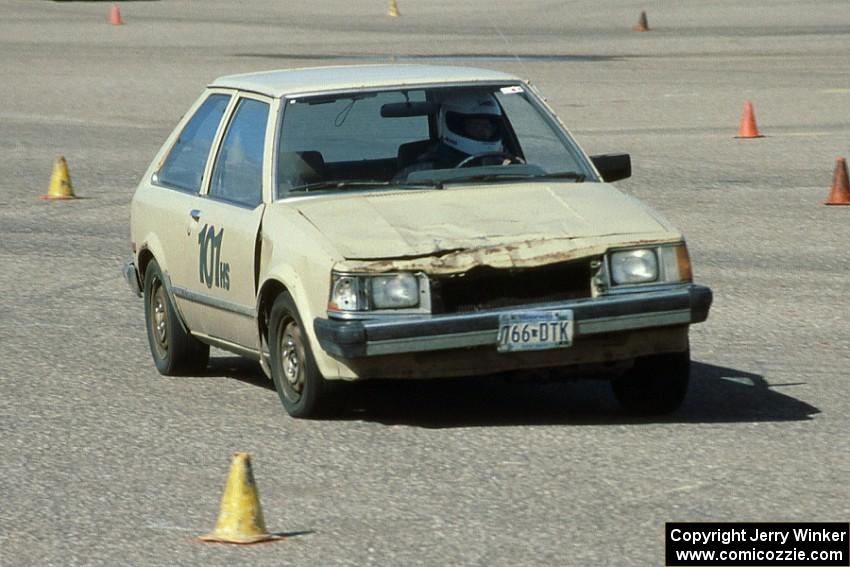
195	214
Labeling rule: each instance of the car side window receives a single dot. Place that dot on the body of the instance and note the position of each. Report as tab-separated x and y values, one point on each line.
184	166
541	144
237	175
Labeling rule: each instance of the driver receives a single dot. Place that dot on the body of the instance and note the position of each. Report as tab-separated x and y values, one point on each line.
469	124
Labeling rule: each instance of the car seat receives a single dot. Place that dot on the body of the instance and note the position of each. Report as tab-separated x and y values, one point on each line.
300	168
409	152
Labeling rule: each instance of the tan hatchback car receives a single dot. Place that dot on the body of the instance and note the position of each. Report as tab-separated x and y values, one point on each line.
404	221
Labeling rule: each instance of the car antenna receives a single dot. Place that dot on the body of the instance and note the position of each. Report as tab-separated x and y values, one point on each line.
507	43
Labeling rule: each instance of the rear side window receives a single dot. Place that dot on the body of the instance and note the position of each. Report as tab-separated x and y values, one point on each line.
237	175
184	166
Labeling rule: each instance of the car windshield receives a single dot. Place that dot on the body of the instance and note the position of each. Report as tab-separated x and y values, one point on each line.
421	138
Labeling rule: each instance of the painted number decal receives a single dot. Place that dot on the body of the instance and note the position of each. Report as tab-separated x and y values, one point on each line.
211	270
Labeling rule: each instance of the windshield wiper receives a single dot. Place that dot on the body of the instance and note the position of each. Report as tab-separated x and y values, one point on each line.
579	177
418	184
490	177
364	183
335	184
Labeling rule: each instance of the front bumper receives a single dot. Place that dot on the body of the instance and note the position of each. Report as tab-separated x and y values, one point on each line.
132	278
673	306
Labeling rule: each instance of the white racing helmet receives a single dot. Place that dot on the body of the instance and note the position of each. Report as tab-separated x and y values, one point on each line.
471	122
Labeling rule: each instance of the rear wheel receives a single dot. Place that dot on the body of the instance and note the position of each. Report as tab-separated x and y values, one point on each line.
655	385
175	352
297	379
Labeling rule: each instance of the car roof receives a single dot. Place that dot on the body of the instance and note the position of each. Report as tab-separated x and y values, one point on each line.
353	77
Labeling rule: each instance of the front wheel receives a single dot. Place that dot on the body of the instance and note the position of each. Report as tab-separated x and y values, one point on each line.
175	352
655	385
296	377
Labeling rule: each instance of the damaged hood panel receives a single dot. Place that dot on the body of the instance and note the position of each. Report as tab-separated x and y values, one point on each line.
498	225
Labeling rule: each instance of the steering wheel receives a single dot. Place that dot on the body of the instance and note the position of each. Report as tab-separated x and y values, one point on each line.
503	158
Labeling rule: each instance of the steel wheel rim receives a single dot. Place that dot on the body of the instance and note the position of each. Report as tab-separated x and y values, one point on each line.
159	319
292	360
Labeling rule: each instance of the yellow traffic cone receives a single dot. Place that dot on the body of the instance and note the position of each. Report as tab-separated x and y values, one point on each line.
393	10
60	181
240	519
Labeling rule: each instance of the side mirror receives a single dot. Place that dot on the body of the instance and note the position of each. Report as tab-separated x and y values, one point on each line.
613	167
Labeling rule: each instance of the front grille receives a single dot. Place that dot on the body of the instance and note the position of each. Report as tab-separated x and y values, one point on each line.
490	288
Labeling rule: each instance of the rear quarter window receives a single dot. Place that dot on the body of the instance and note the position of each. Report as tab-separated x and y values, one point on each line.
184	166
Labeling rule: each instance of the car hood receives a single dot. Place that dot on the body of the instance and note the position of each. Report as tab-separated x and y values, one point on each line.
409	224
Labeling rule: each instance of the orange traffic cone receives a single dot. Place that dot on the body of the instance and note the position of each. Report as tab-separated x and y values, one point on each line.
748	128
840	194
240	518
115	16
642	24
60	182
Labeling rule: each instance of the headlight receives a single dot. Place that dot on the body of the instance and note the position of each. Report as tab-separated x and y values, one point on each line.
662	264
634	266
395	291
366	293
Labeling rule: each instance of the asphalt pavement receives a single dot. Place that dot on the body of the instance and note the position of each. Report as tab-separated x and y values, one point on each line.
105	462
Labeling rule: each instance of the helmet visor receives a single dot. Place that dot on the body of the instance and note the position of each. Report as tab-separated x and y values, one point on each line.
480	127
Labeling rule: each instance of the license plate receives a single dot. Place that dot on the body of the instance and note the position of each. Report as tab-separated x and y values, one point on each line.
535	330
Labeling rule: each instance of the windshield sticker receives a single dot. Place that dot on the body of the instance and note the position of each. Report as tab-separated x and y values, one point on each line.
511	90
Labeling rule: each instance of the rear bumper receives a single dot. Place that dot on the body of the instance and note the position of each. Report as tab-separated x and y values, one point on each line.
672	306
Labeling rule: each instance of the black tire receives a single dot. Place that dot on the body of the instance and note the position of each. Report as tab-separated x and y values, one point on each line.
297	379
174	351
655	385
